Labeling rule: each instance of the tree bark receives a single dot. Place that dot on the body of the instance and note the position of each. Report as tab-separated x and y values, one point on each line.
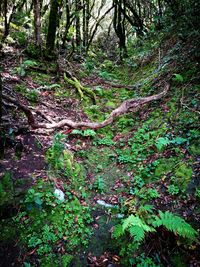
68	23
78	25
53	22
1	89
37	22
6	24
118	22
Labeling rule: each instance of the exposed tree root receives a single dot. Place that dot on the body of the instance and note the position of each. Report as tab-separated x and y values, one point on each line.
127	106
80	88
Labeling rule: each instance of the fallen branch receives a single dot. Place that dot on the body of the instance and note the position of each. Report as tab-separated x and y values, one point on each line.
127	106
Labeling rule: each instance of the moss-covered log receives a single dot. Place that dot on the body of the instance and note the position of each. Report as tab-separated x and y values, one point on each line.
80	88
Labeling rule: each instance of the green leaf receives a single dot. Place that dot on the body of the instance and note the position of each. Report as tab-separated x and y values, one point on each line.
118	231
162	142
178	140
30	63
137	232
175	224
178	77
38	200
89	132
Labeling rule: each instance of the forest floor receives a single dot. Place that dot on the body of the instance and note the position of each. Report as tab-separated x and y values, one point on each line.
158	145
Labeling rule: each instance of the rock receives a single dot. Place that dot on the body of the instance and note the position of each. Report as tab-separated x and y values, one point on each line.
59	194
103	203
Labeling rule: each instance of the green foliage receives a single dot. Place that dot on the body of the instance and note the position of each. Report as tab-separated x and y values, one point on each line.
105	75
106	141
85	133
165	166
45	222
125	123
178	78
33	51
174	224
173	190
58	157
107	65
99	184
61	162
89	66
21	70
6	189
20	37
143	261
49	86
162	142
31	94
140	146
183	175
197	193
131	232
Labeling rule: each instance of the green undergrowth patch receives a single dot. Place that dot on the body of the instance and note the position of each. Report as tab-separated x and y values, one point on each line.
63	164
40	78
31	94
46	223
6	189
53	221
99	162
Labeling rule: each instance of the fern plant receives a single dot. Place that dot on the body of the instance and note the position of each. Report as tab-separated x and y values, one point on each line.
132	231
175	224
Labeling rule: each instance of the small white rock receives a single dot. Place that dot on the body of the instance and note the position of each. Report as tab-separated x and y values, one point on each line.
103	203
59	194
120	216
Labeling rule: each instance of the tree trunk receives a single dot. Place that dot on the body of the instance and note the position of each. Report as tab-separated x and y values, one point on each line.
86	18
1	89
37	22
78	25
6	24
118	22
68	23
159	24
53	22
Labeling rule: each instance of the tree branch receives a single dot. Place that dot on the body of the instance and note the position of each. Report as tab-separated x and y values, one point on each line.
127	106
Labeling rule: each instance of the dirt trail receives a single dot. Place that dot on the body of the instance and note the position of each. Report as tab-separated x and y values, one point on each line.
25	160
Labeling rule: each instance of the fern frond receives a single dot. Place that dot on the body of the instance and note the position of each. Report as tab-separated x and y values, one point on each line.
145	209
118	231
136	227
174	224
137	232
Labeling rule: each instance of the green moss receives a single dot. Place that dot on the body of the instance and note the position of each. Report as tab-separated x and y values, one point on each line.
183	175
40	78
165	166
94	112
110	104
194	149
